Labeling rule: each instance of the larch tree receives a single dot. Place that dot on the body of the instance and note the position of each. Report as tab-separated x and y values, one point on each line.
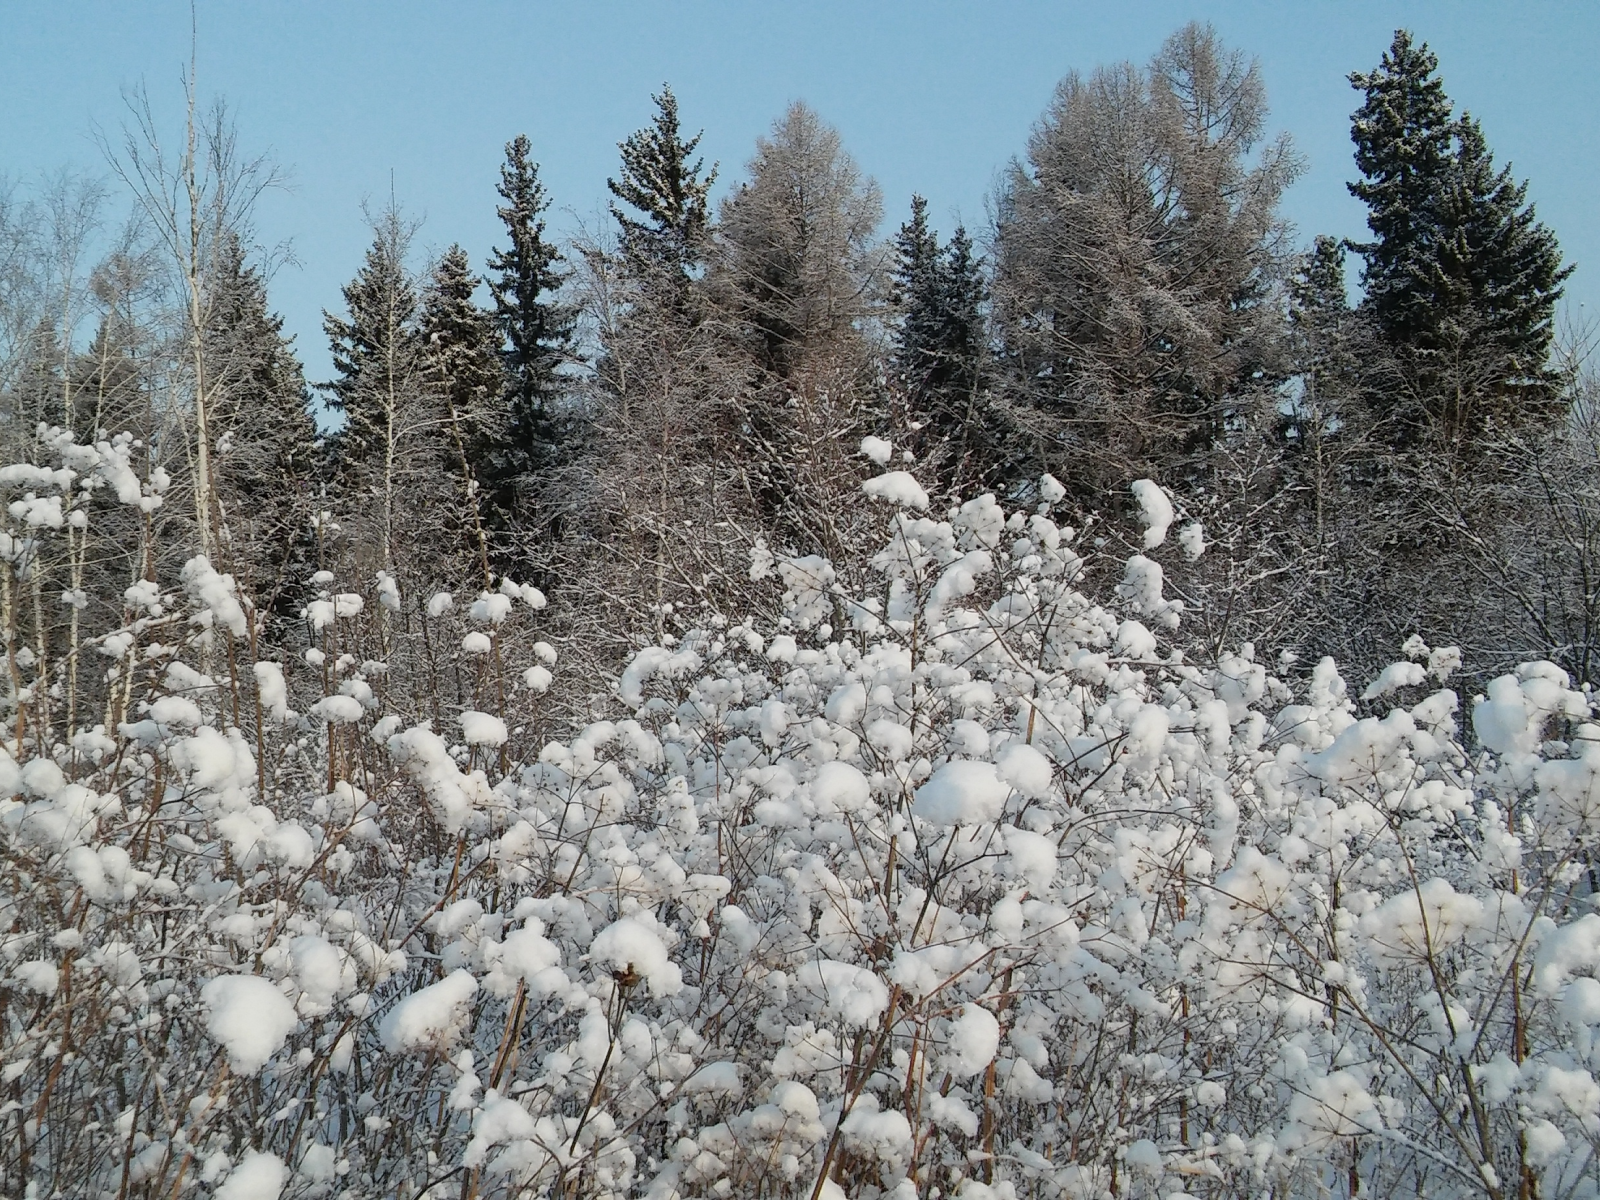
1136	253
797	260
798	276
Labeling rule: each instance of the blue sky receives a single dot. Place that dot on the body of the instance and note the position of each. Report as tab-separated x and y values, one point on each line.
930	96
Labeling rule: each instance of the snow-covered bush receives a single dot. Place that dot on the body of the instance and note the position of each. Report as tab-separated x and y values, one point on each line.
963	884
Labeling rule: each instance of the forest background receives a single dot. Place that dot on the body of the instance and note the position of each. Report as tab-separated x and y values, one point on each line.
512	758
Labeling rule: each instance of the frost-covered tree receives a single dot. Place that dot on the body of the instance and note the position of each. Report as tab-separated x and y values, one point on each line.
797	262
1136	253
797	275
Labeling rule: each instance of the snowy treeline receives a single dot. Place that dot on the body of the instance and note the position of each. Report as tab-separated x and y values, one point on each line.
758	710
952	880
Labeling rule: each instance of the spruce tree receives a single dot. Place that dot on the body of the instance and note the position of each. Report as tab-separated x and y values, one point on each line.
1496	279
266	439
1461	278
666	190
462	350
1402	134
940	349
535	325
1324	340
916	294
377	352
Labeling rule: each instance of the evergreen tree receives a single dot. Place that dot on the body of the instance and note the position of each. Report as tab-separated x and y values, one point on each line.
941	348
1496	280
1319	310
915	294
463	354
536	326
377	352
266	439
1461	277
1402	134
666	190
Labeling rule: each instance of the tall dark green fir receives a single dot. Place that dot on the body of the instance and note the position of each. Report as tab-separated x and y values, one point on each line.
1460	277
376	353
524	281
941	348
666	230
1402	140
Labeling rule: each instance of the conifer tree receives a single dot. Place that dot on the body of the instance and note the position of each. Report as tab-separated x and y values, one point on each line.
1402	136
377	352
916	288
1318	309
1135	254
1497	277
463	355
666	191
266	438
535	324
940	351
1461	278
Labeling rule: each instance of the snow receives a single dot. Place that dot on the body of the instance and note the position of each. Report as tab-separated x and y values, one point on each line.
1192	537
1008	799
490	608
483	729
1027	770
1155	511
897	487
840	787
250	1017
259	1176
876	449
963	792
630	945
338	710
476	643
973	1041
430	1018
714	1079
273	691
388	591
852	994
424	756
176	711
1394	677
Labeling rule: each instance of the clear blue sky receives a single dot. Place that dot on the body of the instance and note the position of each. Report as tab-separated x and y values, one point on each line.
930	96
